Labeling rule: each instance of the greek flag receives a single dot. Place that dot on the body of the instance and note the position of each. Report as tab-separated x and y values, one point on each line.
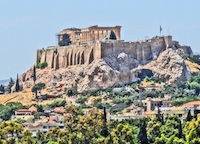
160	29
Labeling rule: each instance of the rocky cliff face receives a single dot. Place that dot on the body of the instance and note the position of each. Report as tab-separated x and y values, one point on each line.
118	68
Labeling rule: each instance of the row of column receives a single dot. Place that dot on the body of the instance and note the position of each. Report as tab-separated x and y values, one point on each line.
98	35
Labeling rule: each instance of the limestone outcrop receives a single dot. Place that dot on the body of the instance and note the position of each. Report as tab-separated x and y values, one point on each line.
117	68
91	60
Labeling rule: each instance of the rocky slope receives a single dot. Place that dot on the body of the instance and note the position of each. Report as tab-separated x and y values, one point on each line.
116	69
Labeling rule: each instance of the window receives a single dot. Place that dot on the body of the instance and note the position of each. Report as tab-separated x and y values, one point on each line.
44	127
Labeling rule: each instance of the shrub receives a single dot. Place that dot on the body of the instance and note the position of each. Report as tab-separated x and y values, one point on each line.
39	108
19	121
195	58
82	99
71	91
116	110
37	115
42	65
57	103
92	92
98	105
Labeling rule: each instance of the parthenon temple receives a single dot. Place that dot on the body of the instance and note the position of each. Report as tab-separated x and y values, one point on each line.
91	33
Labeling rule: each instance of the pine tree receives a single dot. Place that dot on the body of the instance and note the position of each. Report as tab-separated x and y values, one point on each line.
17	87
34	74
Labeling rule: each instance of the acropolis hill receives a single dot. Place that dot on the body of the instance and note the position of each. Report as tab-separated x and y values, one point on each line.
83	46
97	58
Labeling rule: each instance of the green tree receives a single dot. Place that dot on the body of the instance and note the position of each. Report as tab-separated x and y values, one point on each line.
105	128
123	134
34	74
40	136
112	35
8	110
26	137
71	91
11	83
39	108
153	129
38	87
2	89
192	131
180	132
52	134
17	87
189	116
11	131
142	137
195	85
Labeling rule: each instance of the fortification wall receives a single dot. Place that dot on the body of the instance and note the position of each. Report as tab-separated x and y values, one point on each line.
84	53
62	57
140	50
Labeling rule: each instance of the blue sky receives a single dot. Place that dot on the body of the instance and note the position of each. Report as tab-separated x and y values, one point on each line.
28	25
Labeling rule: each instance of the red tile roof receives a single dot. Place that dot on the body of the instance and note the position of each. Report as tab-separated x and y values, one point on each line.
191	104
59	109
23	110
33	109
51	122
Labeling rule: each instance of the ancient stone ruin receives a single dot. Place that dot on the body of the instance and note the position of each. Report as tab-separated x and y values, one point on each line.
97	58
83	46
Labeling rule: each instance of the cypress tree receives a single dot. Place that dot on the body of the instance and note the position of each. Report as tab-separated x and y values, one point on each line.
162	119
180	133
159	116
2	89
17	87
105	129
34	74
142	136
189	116
112	35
